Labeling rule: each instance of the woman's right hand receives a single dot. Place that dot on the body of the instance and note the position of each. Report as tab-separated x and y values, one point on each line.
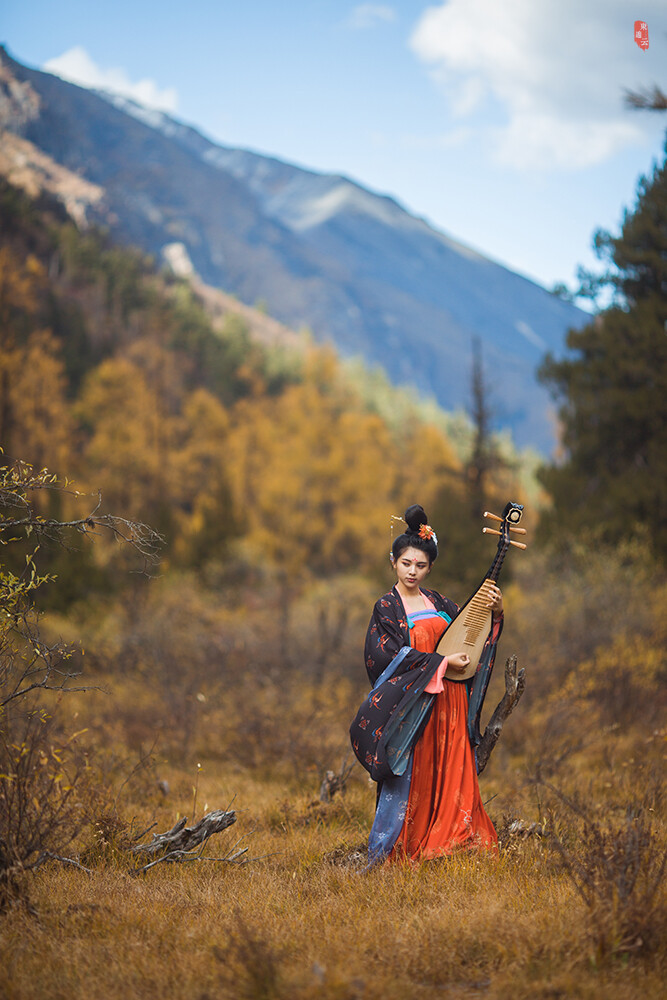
458	662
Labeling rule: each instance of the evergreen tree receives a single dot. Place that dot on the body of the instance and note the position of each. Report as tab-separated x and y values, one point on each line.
613	388
483	458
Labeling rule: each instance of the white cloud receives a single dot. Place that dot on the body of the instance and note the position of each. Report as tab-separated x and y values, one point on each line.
557	70
423	143
76	66
369	15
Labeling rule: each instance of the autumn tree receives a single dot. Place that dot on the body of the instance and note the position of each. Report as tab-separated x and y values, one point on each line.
157	450
34	422
312	475
429	468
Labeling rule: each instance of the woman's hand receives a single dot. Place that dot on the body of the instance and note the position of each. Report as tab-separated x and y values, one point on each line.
458	662
495	596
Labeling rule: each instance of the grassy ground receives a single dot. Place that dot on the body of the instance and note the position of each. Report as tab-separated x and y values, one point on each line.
304	920
574	905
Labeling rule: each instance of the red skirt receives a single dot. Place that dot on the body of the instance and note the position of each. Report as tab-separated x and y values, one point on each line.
445	808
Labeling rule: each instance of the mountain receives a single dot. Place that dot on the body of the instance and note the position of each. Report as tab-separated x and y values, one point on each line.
316	250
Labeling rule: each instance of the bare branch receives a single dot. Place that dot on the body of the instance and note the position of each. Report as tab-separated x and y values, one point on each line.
649	99
29	663
49	856
515	685
17	482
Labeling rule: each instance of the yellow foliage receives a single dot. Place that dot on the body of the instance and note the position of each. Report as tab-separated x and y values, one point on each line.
312	482
20	282
155	451
630	659
202	516
35	422
126	455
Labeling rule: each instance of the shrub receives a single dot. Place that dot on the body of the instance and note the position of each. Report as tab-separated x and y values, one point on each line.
617	870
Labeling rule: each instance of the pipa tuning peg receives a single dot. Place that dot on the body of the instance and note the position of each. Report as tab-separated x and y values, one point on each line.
490	531
494	517
519	545
519	531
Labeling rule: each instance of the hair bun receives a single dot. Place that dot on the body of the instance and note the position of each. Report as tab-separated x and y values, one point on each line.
414	517
418	534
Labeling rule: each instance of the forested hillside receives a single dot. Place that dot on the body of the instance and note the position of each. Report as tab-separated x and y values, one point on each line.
114	376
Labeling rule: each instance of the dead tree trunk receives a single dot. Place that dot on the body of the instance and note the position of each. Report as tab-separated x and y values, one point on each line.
515	685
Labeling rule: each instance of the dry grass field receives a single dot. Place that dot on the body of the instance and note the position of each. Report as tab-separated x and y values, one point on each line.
301	918
573	905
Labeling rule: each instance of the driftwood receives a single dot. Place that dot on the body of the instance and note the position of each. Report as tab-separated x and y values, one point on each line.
187	843
515	684
181	843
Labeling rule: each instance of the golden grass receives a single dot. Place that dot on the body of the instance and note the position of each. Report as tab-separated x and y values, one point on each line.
303	921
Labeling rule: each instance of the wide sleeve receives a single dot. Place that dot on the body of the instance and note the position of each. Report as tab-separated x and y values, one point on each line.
388	635
384	638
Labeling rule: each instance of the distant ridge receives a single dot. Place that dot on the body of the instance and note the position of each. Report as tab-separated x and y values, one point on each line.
318	251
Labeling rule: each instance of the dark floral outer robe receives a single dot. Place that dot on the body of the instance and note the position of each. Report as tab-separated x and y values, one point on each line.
399	702
392	700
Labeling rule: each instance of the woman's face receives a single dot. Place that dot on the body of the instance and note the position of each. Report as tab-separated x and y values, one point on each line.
412	566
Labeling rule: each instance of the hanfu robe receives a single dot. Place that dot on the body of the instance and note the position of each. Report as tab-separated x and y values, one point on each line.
416	733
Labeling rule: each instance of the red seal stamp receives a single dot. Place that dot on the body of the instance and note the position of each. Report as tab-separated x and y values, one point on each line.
641	34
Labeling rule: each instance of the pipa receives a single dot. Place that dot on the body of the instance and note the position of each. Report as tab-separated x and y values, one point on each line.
468	632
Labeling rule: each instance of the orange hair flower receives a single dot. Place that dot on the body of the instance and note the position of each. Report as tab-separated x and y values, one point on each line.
426	532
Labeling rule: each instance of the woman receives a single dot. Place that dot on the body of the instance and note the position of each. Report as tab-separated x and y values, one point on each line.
413	730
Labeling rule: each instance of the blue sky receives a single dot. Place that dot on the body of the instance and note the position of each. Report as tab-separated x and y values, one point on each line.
499	121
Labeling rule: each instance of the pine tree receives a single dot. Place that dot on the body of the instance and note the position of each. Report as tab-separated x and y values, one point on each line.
613	388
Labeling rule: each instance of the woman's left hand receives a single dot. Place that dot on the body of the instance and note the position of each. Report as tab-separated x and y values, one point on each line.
495	601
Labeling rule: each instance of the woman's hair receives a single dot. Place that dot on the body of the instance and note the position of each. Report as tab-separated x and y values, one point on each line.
427	542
